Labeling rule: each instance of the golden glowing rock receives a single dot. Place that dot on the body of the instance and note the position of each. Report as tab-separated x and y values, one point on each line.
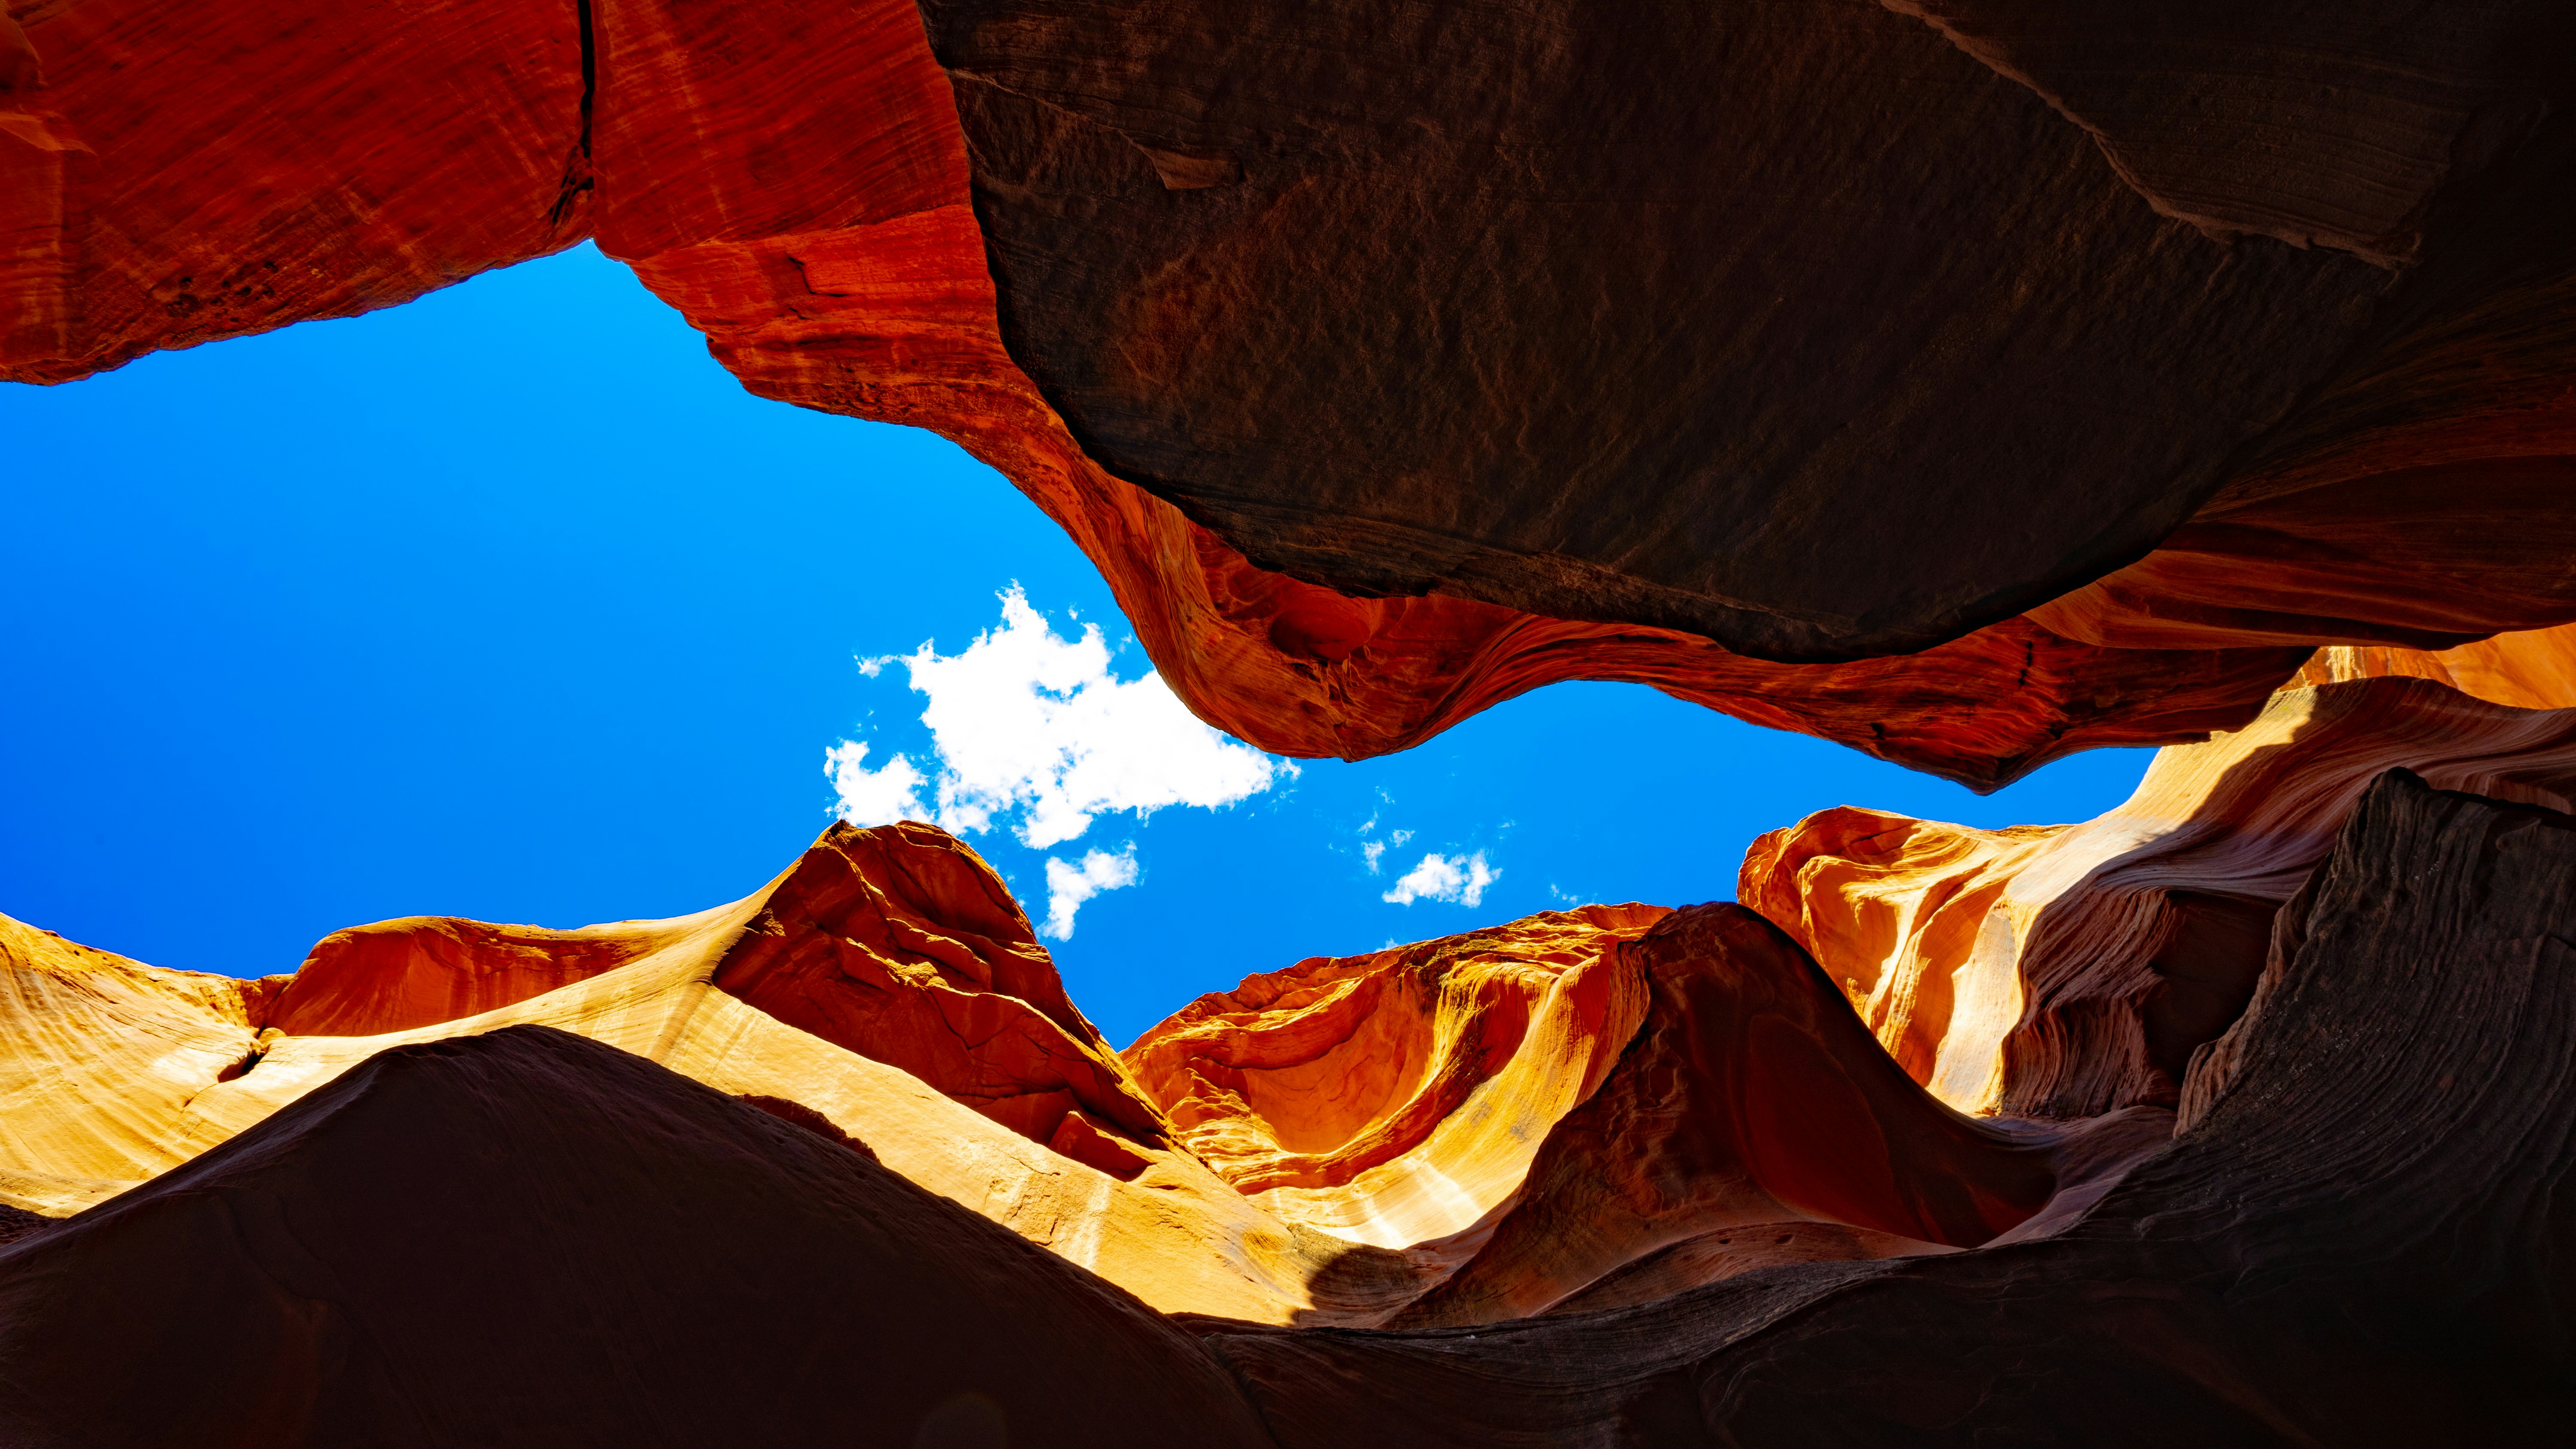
112	1072
2534	669
1397	1097
1324	1144
2071	970
886	991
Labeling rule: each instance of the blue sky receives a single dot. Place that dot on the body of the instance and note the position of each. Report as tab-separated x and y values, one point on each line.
511	604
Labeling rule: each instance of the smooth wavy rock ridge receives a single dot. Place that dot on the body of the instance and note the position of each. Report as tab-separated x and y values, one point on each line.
1969	382
1752	1220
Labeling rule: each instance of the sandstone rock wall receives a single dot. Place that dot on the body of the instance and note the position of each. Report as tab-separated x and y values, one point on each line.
1965	381
1903	399
770	1285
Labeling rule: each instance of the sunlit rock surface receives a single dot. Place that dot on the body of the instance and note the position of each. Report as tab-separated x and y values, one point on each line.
1754	1222
1966	381
1993	303
884	989
1396	1098
1324	1144
2065	971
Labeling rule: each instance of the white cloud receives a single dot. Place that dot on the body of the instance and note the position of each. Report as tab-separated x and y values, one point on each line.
1068	886
1440	878
881	796
1034	728
1373	852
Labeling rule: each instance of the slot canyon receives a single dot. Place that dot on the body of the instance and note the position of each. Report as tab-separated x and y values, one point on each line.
1971	383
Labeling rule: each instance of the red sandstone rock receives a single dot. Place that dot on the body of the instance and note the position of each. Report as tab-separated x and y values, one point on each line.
2072	970
903	946
1480	1118
1395	1098
768	1285
424	970
806	200
1305	330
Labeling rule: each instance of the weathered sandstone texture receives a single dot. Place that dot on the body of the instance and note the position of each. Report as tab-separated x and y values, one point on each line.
1325	1144
2065	971
884	991
2045	382
1968	381
2357	1237
1755	1228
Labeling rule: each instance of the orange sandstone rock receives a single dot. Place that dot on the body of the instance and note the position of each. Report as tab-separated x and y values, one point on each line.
1396	1098
886	993
2066	971
805	200
112	1073
1324	1144
102	1061
2534	669
2353	1241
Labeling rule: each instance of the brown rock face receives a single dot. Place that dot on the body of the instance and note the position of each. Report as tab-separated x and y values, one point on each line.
744	1281
1967	381
2411	1031
1924	323
2070	971
1671	430
901	945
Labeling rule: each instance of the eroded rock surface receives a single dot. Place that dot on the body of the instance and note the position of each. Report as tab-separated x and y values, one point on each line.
1591	1102
2412	1032
698	1271
1967	381
2072	970
1932	316
1396	1098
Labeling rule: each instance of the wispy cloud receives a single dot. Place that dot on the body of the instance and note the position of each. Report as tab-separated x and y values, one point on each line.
1374	851
1034	731
1068	886
1461	879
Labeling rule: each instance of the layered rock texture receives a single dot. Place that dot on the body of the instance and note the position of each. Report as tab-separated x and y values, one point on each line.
1965	381
2039	382
1617	1175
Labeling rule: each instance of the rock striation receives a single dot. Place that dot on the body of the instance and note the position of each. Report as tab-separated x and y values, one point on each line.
2221	1282
1967	381
2041	383
2068	971
1325	1144
2232	1288
884	992
1396	1098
